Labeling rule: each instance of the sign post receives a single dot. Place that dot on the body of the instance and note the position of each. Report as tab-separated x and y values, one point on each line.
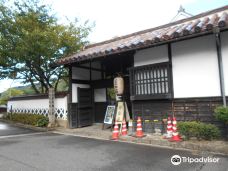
51	113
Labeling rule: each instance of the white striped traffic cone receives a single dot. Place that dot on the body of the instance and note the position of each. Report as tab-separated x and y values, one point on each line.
169	130
175	136
124	128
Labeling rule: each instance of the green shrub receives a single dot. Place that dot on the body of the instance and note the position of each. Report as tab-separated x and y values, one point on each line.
199	130
221	113
43	122
30	119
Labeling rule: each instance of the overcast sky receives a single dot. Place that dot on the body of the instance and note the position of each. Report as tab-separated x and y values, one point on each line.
119	17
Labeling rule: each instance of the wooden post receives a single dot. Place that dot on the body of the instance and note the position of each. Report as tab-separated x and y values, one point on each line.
51	113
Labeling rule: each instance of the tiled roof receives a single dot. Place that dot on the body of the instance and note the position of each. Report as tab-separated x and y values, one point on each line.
202	23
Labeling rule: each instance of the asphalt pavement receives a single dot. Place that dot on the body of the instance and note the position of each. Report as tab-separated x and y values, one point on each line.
10	130
27	150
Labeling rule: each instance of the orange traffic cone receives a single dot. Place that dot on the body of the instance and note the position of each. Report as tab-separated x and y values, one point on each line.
139	132
175	136
115	132
169	130
124	129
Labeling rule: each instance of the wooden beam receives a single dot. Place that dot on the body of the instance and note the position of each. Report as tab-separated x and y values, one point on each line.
77	81
171	69
106	83
69	106
87	67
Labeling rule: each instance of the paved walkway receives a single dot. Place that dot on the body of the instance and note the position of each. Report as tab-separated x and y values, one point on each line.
96	132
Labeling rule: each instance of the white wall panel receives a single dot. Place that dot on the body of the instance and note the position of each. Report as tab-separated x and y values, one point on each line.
100	95
75	91
195	68
224	42
29	104
151	55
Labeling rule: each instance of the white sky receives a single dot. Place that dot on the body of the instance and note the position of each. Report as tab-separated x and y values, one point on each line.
119	17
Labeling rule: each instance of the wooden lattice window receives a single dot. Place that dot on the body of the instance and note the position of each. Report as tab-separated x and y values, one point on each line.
150	81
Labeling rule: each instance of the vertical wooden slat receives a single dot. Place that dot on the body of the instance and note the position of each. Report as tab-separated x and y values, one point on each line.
156	69
152	80
164	79
141	82
160	80
145	81
148	80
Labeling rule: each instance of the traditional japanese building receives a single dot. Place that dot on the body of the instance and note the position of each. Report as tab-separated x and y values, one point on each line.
179	68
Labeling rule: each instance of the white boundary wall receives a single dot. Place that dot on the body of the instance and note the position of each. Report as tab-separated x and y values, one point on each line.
39	106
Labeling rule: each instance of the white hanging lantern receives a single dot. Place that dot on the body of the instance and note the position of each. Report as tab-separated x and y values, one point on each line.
119	85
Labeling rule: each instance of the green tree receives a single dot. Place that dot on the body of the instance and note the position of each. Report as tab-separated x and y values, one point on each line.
9	93
31	39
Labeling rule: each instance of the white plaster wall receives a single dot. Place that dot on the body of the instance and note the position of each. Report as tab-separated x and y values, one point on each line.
40	104
195	68
29	104
61	103
100	95
151	55
75	91
224	42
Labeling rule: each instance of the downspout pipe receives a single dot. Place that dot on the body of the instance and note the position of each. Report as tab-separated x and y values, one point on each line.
220	64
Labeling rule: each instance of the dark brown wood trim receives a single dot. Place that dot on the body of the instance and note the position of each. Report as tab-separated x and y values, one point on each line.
151	97
69	106
77	81
106	83
151	81
171	69
70	84
90	71
88	68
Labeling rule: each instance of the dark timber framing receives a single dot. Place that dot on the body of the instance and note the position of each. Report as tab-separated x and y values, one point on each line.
70	97
220	64
151	81
70	84
170	68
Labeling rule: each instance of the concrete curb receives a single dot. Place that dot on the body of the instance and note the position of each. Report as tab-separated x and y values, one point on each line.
27	126
196	147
